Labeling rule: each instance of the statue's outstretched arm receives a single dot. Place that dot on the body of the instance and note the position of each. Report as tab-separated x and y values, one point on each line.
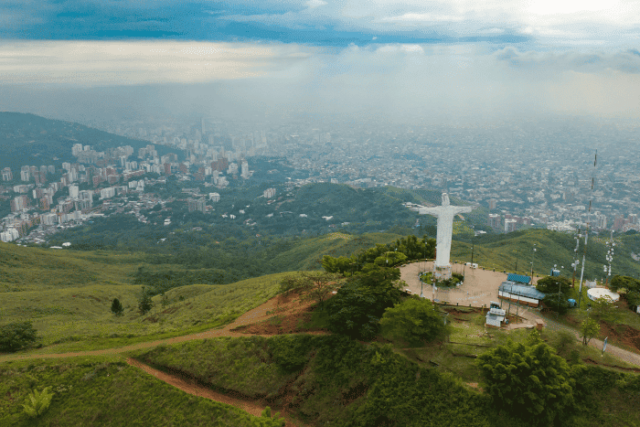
427	211
464	209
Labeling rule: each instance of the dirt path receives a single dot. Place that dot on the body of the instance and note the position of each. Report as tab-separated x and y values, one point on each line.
198	390
282	305
252	407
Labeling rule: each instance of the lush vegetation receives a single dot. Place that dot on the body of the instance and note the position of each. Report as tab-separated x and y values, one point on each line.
105	392
359	304
332	380
528	380
16	336
414	320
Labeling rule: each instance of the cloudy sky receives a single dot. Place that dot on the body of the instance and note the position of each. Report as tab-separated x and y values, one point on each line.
455	57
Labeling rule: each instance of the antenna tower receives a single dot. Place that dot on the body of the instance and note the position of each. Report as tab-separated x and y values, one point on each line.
586	234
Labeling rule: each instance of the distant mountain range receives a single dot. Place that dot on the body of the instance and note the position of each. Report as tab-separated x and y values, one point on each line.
27	139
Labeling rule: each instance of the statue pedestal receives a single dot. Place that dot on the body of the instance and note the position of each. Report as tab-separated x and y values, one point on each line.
442	273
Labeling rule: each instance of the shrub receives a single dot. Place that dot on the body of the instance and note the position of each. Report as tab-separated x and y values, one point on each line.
16	336
289	351
144	302
414	320
116	307
38	402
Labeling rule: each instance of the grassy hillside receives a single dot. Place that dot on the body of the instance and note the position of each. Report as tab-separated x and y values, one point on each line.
307	254
102	391
502	251
27	139
36	269
330	380
80	318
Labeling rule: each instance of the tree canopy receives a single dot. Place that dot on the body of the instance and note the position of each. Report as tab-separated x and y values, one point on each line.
414	320
358	305
528	380
550	284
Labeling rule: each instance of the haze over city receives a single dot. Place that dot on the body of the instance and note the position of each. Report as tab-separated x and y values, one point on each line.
294	213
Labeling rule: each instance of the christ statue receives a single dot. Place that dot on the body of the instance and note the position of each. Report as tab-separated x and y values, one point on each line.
445	215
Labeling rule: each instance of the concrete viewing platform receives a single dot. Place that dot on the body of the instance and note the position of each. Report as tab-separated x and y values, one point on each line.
480	287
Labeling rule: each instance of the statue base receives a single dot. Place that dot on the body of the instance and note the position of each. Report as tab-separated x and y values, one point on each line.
442	273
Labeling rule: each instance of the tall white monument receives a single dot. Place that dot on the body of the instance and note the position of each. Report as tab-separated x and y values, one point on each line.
445	215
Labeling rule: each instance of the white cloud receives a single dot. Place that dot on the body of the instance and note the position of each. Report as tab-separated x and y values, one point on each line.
95	63
312	4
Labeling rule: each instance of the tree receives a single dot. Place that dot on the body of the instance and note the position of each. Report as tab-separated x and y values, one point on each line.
144	301
627	282
38	402
390	259
602	309
116	307
16	336
528	380
357	307
550	284
589	329
557	302
318	285
338	265
289	283
414	320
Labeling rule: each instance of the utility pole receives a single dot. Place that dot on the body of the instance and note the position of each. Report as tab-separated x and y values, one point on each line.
473	246
533	252
576	261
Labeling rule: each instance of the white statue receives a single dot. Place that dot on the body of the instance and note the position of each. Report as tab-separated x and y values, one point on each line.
445	215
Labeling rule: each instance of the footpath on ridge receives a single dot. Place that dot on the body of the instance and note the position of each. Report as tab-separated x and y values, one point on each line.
253	316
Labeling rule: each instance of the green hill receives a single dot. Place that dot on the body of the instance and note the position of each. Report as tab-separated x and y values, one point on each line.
37	269
503	251
68	294
27	139
106	391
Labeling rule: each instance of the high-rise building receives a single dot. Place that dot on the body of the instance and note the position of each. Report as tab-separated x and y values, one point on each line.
19	204
510	225
245	174
25	175
492	204
494	221
196	205
7	175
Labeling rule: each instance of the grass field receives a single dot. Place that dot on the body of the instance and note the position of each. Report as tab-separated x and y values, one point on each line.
105	391
80	318
36	269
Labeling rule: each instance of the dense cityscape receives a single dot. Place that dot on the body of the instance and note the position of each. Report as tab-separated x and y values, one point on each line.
522	176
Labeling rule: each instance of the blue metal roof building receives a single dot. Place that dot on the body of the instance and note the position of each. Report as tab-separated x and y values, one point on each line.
518	278
522	294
